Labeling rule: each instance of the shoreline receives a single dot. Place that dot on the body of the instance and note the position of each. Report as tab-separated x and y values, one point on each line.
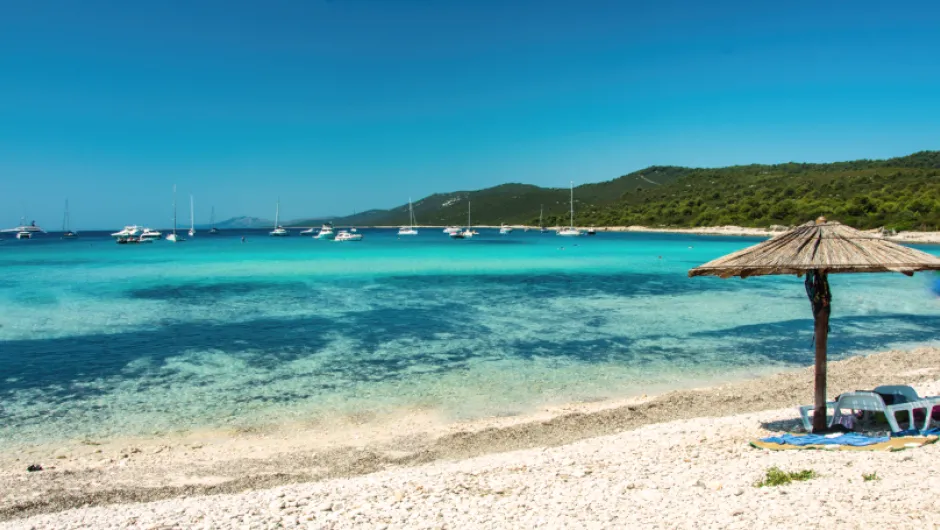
101	474
909	237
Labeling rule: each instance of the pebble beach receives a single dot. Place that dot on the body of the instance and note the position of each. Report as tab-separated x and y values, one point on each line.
679	460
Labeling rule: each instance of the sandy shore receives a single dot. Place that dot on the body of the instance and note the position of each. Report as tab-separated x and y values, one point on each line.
683	450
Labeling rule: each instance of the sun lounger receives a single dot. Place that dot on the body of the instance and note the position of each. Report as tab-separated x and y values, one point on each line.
911	401
871	402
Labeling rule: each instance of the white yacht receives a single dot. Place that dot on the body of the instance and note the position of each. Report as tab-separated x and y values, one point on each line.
151	234
24	235
66	221
347	236
307	232
30	228
128	231
451	230
503	229
410	229
174	237
279	231
192	219
571	231
326	232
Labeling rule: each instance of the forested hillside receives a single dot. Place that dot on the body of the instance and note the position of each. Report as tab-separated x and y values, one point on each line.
901	193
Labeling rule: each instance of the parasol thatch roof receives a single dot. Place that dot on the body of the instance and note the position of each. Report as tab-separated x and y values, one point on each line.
822	245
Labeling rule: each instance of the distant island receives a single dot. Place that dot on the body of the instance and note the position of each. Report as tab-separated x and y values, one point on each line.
899	193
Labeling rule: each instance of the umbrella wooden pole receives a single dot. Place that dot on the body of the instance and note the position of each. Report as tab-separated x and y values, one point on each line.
822	335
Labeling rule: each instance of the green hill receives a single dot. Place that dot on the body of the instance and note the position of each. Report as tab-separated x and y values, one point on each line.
901	193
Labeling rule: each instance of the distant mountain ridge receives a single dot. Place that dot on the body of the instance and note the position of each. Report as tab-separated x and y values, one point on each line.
240	222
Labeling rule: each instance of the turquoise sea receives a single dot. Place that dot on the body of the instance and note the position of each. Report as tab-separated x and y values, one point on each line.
98	339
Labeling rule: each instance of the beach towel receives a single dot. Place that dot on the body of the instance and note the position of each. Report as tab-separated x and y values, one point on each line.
934	431
850	438
892	444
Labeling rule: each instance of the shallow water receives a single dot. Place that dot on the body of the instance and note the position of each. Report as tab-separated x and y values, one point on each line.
99	340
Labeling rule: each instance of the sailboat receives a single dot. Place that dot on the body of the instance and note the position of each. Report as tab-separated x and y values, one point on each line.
469	230
410	229
66	231
213	229
571	230
542	228
278	229
174	237
192	219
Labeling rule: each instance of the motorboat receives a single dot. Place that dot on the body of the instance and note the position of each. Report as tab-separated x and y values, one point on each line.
591	231
131	240
503	229
347	236
31	228
151	234
24	235
128	231
452	230
410	229
307	232
279	231
174	237
66	222
571	231
326	232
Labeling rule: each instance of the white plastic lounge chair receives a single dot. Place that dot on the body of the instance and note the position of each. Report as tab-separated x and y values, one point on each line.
862	400
913	401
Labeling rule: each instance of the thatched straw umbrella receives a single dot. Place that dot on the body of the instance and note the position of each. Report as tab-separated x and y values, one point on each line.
817	249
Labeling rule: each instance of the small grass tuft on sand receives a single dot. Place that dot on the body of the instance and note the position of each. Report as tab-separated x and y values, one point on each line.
869	477
778	477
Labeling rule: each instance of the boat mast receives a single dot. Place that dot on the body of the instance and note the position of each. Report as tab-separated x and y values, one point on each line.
541	207
65	222
468	215
212	217
192	220
174	209
571	222
277	213
411	215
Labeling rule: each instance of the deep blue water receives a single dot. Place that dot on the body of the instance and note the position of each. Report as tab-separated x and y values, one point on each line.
100	339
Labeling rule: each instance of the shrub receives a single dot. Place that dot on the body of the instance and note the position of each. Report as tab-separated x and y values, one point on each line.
778	477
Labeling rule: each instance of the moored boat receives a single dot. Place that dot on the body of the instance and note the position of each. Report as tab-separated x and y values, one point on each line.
347	236
279	231
410	229
571	231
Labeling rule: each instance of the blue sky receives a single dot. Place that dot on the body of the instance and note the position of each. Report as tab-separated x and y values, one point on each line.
347	105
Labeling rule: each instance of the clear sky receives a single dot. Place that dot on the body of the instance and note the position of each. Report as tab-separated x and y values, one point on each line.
347	105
